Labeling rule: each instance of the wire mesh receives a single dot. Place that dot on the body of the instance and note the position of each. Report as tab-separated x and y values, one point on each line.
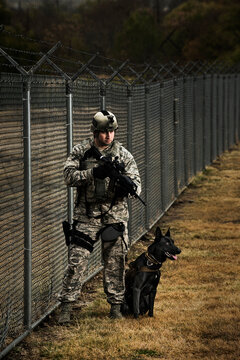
154	168
214	118
220	117
231	112
168	150
116	96
207	131
137	226
237	104
12	208
199	116
48	135
85	103
189	136
225	112
188	121
180	141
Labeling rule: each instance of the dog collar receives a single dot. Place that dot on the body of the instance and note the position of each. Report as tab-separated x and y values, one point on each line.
151	259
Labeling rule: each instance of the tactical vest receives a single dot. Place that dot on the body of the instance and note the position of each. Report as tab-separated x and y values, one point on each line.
99	190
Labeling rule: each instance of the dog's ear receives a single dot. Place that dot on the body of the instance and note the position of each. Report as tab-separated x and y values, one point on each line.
158	233
168	233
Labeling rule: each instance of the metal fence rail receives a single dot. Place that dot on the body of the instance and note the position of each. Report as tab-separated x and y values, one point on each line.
173	126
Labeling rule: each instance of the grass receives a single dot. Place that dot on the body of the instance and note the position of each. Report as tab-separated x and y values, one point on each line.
197	303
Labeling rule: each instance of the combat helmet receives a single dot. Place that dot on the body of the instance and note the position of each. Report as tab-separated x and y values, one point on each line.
104	120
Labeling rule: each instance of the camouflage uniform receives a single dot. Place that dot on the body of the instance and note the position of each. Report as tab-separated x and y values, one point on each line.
91	212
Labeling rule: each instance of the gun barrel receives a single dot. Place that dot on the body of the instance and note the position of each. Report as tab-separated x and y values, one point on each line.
143	202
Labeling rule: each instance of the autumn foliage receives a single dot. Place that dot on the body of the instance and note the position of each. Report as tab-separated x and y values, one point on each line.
139	30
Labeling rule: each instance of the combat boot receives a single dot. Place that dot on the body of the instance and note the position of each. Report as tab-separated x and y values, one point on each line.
64	316
115	311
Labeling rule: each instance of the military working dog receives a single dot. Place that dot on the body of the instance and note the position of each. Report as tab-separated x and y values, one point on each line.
143	275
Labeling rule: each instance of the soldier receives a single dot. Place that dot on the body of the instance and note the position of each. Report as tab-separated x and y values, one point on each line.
100	210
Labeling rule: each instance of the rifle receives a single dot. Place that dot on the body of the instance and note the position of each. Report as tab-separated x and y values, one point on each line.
115	172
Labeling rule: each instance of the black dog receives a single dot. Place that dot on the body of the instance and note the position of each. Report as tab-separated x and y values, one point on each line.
143	276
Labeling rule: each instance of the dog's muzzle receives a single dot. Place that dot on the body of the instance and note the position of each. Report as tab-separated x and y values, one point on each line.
172	256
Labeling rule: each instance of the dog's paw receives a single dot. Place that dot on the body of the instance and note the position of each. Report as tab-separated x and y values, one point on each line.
150	314
135	316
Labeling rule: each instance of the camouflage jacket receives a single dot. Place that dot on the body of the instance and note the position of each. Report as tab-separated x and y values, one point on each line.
94	196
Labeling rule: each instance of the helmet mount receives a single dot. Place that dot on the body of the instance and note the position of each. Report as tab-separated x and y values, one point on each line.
104	121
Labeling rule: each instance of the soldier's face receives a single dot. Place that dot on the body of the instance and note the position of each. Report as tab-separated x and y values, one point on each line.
104	138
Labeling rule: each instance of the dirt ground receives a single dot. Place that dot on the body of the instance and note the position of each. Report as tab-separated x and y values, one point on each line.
197	304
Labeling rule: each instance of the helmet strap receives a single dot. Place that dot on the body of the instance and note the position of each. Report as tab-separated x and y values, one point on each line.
96	133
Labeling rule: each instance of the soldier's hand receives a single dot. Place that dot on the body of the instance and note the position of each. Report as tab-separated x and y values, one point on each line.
101	172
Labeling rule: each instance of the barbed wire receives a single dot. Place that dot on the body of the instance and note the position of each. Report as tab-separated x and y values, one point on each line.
58	61
24	37
21	36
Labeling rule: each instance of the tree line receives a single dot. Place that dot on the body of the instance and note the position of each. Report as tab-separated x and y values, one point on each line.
139	30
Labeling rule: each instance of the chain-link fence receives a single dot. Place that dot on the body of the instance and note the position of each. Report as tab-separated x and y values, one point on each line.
174	126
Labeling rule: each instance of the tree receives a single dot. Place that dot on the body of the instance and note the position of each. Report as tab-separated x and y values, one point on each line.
138	38
100	21
5	15
206	30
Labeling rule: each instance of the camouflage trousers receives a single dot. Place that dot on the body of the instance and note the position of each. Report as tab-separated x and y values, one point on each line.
113	256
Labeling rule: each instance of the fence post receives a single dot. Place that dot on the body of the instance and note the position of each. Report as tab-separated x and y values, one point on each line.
223	111
185	138
238	107
212	128
103	95
217	117
69	142
238	120
147	156
162	157
176	134
27	204
204	124
236	112
194	128
229	120
129	144
129	119
227	113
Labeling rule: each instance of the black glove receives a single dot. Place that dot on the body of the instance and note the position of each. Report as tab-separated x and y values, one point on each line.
101	172
125	186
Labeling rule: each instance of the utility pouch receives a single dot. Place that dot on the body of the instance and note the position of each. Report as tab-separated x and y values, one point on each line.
100	189
74	236
66	229
111	232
